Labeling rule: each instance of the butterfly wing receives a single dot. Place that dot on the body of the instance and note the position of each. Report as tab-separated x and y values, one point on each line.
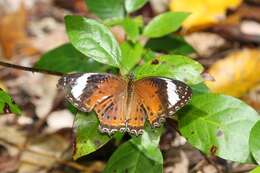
111	113
102	92
161	97
137	115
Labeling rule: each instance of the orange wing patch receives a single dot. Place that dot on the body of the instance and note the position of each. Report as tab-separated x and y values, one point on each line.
111	114
153	100
161	97
137	116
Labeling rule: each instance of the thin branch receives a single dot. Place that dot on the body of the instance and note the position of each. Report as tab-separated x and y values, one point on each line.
5	64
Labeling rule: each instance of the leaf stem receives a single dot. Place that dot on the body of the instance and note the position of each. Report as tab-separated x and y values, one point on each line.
9	65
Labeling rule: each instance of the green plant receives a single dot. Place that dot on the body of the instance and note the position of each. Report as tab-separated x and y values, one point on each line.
7	105
216	124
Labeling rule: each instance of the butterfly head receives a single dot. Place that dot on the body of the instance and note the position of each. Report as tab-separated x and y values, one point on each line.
131	77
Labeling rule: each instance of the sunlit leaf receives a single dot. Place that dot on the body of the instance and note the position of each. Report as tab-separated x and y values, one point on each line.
87	136
132	27
256	170
203	12
218	125
173	66
236	73
93	40
164	24
133	5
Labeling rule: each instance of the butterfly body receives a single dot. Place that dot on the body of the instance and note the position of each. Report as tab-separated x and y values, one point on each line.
123	104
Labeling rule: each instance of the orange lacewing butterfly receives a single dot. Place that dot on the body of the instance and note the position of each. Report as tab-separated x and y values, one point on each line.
125	104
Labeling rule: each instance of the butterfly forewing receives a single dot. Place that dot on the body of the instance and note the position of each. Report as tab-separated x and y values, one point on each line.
86	90
162	97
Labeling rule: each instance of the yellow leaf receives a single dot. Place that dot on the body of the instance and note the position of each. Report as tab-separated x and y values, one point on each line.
203	12
237	73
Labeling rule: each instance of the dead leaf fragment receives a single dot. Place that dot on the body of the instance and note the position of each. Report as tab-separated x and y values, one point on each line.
13	36
205	43
237	73
203	12
253	97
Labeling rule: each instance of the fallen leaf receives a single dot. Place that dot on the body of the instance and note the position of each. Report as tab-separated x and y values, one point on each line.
236	73
13	37
253	97
45	41
2	86
119	33
203	12
60	119
205	43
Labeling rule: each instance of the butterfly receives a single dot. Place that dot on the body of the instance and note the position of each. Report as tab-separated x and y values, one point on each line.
124	104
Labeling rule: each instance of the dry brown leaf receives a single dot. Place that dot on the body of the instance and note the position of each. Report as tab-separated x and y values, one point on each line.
13	37
119	33
205	43
253	97
203	12
2	86
237	73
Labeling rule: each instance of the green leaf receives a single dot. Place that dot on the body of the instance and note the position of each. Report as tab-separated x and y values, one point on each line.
254	142
131	55
218	125
7	104
200	88
133	5
138	155
148	55
128	158
132	27
87	136
66	58
173	66
148	142
93	40
164	24
106	9
256	170
173	44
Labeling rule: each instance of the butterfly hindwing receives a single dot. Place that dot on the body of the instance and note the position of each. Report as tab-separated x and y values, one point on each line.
162	97
111	114
137	115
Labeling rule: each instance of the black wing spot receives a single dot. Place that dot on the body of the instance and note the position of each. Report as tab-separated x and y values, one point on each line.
155	62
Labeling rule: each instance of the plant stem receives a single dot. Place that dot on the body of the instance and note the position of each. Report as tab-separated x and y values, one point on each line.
5	64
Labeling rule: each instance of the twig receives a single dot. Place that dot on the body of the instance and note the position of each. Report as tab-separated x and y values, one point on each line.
5	64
